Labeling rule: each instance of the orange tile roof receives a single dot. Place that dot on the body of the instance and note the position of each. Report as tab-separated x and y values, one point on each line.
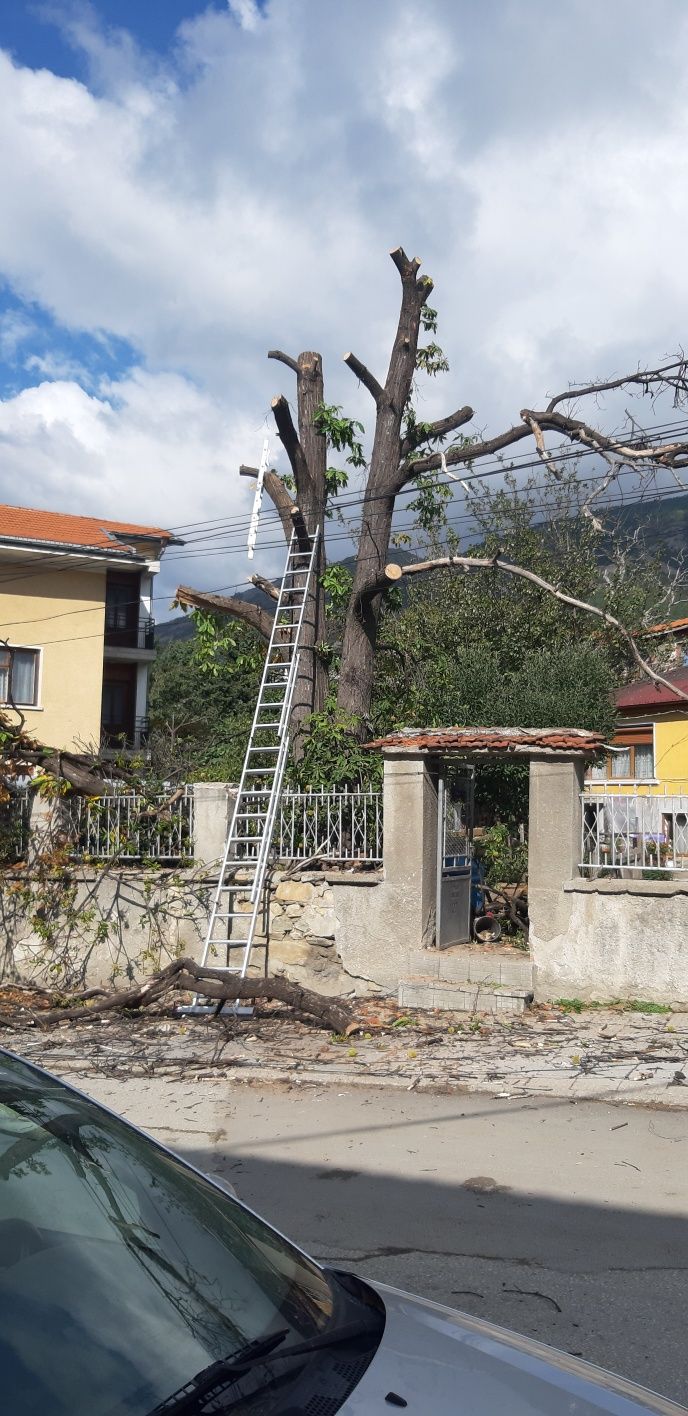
502	741
58	528
670	627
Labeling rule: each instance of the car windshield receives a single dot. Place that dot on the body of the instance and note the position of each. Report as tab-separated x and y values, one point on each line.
123	1273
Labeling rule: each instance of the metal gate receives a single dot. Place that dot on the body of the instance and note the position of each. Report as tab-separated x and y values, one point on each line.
455	809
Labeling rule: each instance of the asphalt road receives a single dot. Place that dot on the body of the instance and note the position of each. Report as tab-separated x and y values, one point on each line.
566	1221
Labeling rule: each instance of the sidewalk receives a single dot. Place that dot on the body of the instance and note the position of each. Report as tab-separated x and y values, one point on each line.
606	1055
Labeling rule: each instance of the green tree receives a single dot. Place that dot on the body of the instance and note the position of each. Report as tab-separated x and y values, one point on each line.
488	649
200	713
407	453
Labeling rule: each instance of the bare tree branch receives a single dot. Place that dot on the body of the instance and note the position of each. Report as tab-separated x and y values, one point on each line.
187	976
544	455
393	573
364	375
290	441
673	375
284	359
440	429
251	615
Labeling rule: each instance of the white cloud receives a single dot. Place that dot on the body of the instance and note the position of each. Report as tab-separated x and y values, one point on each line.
244	193
148	448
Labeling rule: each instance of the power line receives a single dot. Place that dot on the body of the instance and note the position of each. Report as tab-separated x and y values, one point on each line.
70	639
521	461
561	454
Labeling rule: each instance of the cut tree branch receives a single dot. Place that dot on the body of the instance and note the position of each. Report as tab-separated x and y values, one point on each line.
455	456
185	975
440	429
252	615
364	375
291	443
266	586
577	431
393	573
407	269
284	359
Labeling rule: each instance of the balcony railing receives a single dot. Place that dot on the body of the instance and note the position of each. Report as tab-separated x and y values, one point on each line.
122	636
118	736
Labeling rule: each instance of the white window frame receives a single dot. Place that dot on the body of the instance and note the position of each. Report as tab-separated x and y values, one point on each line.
36	707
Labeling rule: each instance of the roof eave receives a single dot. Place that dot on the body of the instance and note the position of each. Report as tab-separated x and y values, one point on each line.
121	553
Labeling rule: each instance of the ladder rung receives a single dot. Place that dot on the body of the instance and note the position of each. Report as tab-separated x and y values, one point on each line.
255	809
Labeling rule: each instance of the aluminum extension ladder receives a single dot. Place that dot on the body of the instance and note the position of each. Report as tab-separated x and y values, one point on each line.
260	787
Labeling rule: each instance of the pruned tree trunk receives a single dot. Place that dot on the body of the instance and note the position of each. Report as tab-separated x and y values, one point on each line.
360	632
310	689
399	456
307	453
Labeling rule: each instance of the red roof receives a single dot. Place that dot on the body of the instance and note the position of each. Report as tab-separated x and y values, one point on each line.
58	528
519	741
648	694
671	627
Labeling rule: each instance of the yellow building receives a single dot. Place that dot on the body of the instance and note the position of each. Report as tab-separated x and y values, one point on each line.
649	752
76	629
636	813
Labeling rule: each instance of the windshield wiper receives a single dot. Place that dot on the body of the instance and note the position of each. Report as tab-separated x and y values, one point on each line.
189	1396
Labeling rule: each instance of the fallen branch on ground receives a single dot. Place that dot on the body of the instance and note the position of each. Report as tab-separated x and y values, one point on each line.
185	975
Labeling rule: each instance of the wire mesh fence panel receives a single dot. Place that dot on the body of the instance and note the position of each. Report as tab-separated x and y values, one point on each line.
337	826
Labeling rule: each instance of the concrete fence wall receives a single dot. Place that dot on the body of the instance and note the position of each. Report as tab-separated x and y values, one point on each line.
597	940
358	931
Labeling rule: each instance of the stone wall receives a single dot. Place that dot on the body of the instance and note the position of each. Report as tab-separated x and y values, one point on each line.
304	936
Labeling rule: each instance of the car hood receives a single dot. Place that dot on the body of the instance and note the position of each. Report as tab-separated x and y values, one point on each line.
441	1361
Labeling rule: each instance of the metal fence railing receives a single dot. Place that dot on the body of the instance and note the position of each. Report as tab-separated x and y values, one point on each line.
336	826
129	826
636	828
15	817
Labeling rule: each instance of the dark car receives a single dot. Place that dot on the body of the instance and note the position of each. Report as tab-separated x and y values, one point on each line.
130	1283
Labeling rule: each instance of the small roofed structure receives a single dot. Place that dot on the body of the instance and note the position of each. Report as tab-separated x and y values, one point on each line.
493	742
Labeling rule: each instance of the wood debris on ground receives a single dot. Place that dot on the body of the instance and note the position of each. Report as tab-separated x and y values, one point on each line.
610	1054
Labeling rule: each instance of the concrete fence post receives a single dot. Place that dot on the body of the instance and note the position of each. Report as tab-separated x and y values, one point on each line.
554	844
213	805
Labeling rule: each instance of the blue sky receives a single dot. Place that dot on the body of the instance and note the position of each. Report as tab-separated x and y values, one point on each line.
185	186
32	32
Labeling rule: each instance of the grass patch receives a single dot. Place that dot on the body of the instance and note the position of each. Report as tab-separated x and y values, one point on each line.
632	1005
637	1006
